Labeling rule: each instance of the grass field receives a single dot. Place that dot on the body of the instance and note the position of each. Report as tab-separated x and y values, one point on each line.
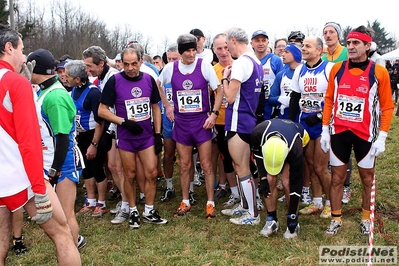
193	240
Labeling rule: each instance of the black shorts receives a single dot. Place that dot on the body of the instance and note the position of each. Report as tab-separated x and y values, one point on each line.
245	137
342	143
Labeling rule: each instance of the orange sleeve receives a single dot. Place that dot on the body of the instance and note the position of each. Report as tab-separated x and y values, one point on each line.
385	97
329	96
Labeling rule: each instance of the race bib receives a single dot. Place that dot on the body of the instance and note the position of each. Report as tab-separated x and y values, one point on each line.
311	103
138	109
169	94
350	108
190	101
79	127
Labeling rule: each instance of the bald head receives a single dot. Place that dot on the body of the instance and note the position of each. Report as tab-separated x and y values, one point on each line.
312	49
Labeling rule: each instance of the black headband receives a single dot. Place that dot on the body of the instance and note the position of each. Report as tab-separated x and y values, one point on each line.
182	47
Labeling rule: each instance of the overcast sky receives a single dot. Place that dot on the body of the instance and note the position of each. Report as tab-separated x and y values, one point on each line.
160	18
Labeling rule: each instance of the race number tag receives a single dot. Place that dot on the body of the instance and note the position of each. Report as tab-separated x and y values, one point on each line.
350	108
266	86
311	103
169	94
79	127
138	109
190	101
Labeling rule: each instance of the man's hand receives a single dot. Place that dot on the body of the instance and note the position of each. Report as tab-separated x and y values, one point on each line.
132	126
325	139
43	208
27	69
264	187
158	143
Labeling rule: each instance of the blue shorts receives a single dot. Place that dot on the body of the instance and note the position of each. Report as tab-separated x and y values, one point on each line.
71	175
167	127
135	145
189	131
314	131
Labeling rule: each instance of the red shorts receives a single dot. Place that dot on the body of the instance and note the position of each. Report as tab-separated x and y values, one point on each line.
14	202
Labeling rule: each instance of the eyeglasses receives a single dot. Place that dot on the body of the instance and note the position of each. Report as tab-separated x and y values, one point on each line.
281	47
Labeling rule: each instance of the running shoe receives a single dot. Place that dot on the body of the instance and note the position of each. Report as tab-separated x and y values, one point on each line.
182	210
235	210
117	208
153	218
81	241
210	211
86	209
270	227
220	193
232	201
311	209
281	199
141	201
305	197
259	204
288	234
333	228
365	227
347	195
115	195
326	213
197	181
168	194
134	220
19	246
246	219
100	210
192	196
120	217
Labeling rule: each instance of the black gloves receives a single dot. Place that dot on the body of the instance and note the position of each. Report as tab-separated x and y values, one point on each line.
264	188
132	126
313	120
158	143
53	180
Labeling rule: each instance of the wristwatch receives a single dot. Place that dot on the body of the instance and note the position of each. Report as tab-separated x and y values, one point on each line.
52	172
94	144
215	112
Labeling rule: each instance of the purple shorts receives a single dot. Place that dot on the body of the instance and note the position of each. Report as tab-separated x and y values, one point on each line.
189	131
135	145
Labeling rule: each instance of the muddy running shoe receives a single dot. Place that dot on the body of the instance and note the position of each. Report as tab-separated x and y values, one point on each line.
365	227
288	234
232	201
19	246
246	219
326	213
182	210
210	211
333	228
235	210
168	194
120	217
100	210
270	227
347	195
220	193
311	209
86	209
117	208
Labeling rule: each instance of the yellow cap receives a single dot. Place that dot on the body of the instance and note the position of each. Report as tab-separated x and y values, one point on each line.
274	151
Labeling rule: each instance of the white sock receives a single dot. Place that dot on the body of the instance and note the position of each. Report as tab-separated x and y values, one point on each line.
102	202
222	186
318	202
187	202
234	191
210	202
328	202
142	195
148	208
125	205
92	202
132	209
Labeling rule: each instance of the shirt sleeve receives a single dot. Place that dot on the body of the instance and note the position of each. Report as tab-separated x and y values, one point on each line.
108	93
385	97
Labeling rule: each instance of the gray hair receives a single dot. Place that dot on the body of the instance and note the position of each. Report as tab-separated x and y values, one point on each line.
186	38
217	36
138	48
8	35
77	68
132	50
97	53
319	42
239	34
172	48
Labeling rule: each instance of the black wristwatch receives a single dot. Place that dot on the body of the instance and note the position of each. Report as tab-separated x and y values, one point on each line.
52	172
94	144
215	112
